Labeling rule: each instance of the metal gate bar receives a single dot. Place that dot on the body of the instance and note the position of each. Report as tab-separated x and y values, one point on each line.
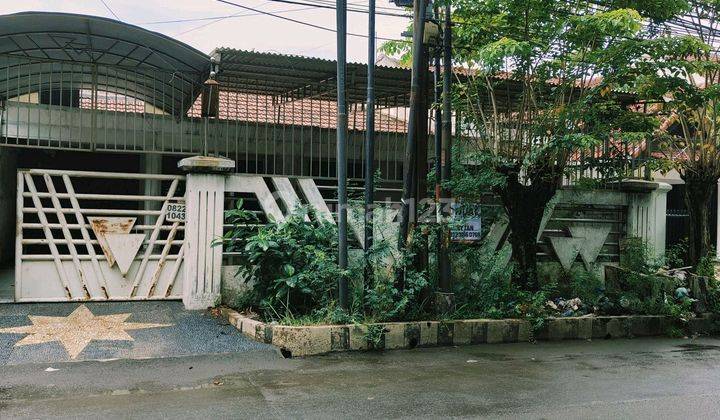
67	246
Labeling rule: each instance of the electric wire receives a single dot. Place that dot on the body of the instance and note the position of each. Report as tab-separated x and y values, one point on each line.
321	5
313	4
110	10
237	15
312	25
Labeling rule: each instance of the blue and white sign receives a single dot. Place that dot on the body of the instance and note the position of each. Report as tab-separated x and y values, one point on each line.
468	223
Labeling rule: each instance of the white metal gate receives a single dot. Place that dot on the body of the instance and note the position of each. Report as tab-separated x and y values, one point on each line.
97	236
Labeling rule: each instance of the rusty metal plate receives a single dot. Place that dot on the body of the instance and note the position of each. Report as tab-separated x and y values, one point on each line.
108	225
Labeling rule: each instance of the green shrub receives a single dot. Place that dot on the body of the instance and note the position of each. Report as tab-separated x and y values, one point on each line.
381	300
487	292
577	282
645	292
636	255
293	264
706	265
484	288
676	255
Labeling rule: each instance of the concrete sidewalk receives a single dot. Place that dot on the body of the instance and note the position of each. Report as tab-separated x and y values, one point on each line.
96	331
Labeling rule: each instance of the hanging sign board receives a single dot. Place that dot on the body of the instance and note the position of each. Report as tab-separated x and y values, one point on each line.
175	213
468	224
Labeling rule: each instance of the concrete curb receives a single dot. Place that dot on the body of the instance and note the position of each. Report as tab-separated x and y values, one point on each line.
321	339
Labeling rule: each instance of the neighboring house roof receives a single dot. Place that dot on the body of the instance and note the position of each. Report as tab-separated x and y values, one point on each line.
262	109
301	112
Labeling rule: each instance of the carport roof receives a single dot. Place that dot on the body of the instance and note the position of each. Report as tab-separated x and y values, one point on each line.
297	77
94	39
122	58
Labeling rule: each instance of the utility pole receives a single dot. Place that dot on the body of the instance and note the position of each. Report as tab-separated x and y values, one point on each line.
409	172
423	105
342	125
445	283
438	130
370	140
421	155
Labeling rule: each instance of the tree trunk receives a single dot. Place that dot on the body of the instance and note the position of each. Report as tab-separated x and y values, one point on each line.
699	189
525	206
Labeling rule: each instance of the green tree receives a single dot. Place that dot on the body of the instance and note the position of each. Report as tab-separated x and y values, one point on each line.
684	75
546	86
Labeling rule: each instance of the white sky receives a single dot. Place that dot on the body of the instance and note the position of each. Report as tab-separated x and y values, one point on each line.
260	33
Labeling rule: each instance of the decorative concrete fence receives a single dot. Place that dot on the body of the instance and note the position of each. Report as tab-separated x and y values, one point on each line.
587	228
581	227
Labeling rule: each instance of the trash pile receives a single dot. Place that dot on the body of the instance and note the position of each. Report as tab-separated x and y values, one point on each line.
569	307
689	289
680	274
618	296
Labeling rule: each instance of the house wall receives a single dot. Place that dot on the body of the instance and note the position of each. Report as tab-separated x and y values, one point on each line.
583	229
643	203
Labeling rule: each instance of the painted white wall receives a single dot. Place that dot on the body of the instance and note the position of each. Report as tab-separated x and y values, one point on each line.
647	217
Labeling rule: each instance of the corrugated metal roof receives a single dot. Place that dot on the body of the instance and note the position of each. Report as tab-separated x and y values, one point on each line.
294	76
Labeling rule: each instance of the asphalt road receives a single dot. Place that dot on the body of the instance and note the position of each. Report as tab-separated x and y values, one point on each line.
641	378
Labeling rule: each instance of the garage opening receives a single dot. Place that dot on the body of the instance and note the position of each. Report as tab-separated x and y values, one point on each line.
8	168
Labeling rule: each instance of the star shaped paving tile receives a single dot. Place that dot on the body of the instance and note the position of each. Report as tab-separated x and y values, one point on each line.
77	330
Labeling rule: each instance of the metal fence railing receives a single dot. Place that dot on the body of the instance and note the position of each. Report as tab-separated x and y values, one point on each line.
88	107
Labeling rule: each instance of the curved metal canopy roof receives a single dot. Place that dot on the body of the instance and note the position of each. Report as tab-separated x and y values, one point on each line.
125	58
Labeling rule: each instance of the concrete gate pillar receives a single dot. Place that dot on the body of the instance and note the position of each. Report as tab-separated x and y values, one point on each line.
647	212
204	198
